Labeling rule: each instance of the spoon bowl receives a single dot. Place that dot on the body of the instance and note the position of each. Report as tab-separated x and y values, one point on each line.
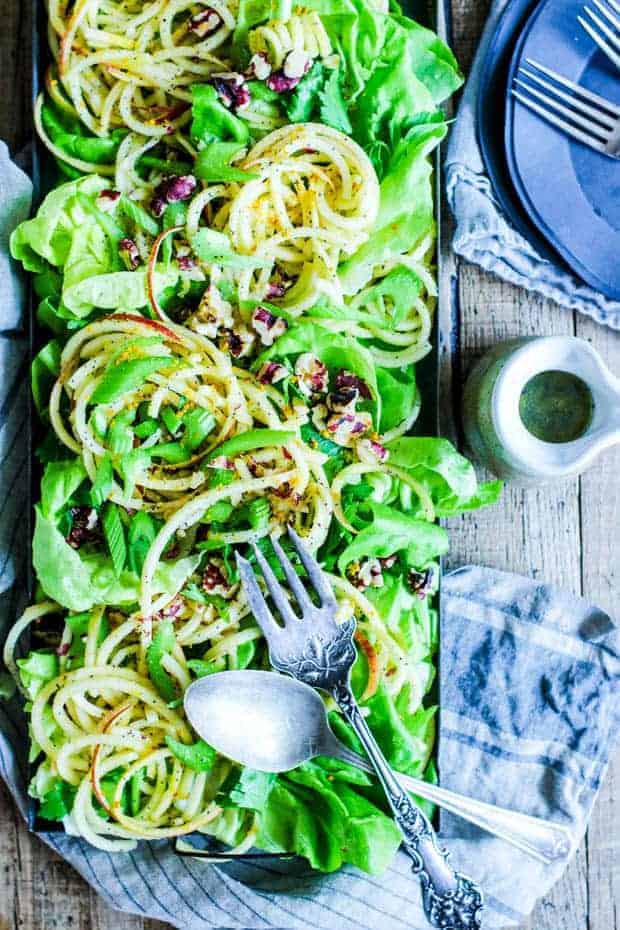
261	719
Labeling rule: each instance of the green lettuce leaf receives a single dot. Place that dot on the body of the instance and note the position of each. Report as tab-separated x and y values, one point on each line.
119	290
214	163
60	481
303	99
57	802
213	246
49	235
390	532
398	390
70	135
251	789
332	107
44	371
318	96
327	822
78	581
449	476
406	208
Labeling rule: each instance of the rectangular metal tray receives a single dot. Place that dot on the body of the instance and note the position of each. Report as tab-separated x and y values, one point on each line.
428	12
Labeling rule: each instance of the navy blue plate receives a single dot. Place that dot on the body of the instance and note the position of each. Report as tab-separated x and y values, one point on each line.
571	192
490	118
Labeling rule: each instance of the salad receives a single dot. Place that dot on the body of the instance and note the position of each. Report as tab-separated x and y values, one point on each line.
235	276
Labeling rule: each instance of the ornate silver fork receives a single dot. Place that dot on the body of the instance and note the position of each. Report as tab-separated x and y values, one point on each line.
312	647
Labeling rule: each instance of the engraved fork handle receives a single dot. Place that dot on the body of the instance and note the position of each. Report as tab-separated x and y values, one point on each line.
451	900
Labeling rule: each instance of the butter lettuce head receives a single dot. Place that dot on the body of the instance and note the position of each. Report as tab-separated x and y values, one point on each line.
406	205
71	234
48	237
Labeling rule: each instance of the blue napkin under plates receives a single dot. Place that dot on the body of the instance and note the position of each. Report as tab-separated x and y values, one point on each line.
529	683
483	233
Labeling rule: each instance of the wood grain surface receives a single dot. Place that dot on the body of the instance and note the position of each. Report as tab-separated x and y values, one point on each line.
566	534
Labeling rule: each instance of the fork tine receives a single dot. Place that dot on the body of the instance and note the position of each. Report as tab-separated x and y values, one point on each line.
569	129
607	22
577	88
584	108
256	600
294	582
599	132
315	574
600	41
273	586
609	16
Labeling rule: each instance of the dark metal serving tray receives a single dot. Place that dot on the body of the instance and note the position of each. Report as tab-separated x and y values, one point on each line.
430	13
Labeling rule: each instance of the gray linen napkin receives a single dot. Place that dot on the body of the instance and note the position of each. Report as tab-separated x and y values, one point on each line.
483	234
529	683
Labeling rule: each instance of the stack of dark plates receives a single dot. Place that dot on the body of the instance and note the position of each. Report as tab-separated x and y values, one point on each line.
561	195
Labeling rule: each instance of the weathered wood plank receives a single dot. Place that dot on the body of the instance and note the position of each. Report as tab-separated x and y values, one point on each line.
16	59
600	516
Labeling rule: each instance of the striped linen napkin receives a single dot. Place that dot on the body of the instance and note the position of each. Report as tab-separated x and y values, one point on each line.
529	684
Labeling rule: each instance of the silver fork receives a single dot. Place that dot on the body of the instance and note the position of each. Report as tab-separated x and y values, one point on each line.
604	28
312	647
578	112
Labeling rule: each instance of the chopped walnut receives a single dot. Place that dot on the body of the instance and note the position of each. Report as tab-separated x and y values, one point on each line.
296	64
84	526
369	451
213	314
268	326
370	574
214	580
312	374
172	190
421	583
232	89
238	341
107	201
271	373
259	67
205	23
346	428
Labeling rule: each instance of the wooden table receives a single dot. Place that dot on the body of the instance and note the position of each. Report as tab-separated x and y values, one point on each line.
563	534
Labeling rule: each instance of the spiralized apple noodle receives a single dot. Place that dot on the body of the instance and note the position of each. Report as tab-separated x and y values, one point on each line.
289	476
200	377
131	65
304	33
314	202
313	205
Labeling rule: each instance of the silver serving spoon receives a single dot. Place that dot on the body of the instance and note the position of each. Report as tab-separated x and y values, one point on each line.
273	723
